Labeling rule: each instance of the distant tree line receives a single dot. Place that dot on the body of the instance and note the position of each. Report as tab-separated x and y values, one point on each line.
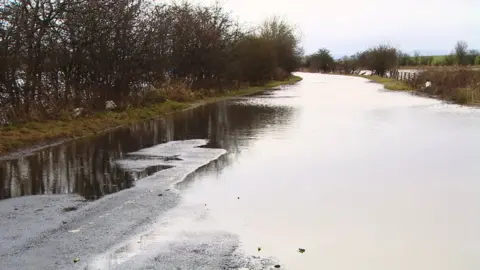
57	55
383	58
379	60
461	55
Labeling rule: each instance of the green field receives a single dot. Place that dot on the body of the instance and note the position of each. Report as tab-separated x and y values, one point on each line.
435	60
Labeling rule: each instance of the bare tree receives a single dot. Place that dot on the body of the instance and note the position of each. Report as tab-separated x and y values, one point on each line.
286	42
60	54
461	50
417	57
379	59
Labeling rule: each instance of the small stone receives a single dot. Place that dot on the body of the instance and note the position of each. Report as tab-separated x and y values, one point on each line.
301	250
238	198
64	222
160	195
277	266
16	208
76	260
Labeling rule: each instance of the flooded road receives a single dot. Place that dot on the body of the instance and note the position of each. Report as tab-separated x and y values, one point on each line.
359	177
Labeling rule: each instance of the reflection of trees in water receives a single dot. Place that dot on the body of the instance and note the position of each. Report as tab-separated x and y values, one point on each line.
214	167
85	166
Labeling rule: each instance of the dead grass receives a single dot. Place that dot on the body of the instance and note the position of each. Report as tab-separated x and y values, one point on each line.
30	134
460	86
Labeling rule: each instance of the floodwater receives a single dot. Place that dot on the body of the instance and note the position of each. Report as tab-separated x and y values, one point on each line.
359	177
88	166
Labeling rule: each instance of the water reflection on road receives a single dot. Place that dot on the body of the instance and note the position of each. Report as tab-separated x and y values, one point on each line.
87	166
361	178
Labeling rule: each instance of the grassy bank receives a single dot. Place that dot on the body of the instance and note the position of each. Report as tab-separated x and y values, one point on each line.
31	134
459	85
390	84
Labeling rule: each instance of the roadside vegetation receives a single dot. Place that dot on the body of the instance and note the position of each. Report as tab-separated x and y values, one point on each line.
64	61
460	86
459	82
321	61
31	133
389	83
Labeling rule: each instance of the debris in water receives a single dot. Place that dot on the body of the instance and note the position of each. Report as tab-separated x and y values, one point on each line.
76	260
167	189
170	158
39	210
16	208
70	209
301	250
64	222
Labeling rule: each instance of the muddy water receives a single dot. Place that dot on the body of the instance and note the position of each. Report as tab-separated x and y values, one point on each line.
359	177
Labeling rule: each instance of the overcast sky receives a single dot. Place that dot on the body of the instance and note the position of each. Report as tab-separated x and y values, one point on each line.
347	26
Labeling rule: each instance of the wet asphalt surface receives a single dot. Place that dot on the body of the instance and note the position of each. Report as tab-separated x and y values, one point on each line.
67	232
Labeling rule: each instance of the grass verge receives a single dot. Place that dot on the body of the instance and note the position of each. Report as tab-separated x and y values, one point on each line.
390	84
460	85
31	134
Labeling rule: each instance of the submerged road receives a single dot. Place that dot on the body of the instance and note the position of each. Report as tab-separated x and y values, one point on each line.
357	176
